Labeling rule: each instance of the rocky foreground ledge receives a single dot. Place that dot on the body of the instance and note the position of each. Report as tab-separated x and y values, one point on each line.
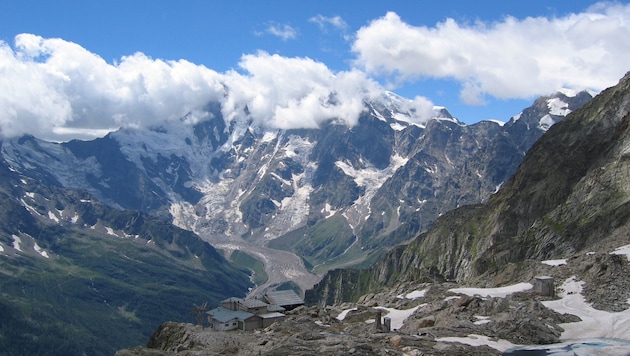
435	319
315	330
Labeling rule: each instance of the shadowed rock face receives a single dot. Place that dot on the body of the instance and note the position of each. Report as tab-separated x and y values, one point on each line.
570	194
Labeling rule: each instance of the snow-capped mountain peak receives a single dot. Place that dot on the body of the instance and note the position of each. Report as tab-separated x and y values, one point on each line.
328	194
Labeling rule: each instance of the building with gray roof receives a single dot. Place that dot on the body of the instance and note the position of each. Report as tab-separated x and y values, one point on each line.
287	299
225	319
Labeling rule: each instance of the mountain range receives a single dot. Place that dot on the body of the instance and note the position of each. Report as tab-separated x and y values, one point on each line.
539	267
308	199
119	233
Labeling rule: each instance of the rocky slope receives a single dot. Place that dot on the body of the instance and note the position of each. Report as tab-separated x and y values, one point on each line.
570	195
430	318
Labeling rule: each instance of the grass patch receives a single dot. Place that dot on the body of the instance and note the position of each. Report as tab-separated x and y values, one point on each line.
325	241
288	241
259	276
98	294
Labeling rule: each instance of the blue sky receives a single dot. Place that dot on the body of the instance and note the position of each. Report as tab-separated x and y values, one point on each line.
410	47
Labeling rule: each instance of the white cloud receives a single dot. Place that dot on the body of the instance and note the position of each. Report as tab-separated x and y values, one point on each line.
513	58
290	93
57	90
323	22
283	31
420	109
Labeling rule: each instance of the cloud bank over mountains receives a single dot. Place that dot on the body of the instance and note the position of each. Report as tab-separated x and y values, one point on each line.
58	90
509	59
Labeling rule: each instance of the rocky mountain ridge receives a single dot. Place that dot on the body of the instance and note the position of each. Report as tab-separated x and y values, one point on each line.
315	199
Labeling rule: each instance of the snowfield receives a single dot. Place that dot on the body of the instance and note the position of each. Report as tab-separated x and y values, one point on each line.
582	338
608	332
600	332
480	340
499	292
595	323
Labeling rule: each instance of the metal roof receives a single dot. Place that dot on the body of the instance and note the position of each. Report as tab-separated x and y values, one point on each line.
274	308
273	315
232	299
224	315
284	297
253	303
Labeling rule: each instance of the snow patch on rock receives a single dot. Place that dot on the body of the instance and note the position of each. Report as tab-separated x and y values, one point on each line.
17	241
558	107
623	250
40	251
559	262
498	292
545	123
480	340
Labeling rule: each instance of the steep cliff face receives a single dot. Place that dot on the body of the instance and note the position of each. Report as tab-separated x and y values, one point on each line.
570	194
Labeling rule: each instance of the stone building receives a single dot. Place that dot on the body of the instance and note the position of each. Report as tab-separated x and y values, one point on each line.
544	285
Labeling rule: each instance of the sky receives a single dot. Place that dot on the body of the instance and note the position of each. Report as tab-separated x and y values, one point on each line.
79	69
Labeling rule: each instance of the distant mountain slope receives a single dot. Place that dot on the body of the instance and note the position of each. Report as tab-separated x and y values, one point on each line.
571	194
334	196
78	277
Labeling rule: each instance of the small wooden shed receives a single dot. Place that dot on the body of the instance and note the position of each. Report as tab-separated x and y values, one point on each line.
270	318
